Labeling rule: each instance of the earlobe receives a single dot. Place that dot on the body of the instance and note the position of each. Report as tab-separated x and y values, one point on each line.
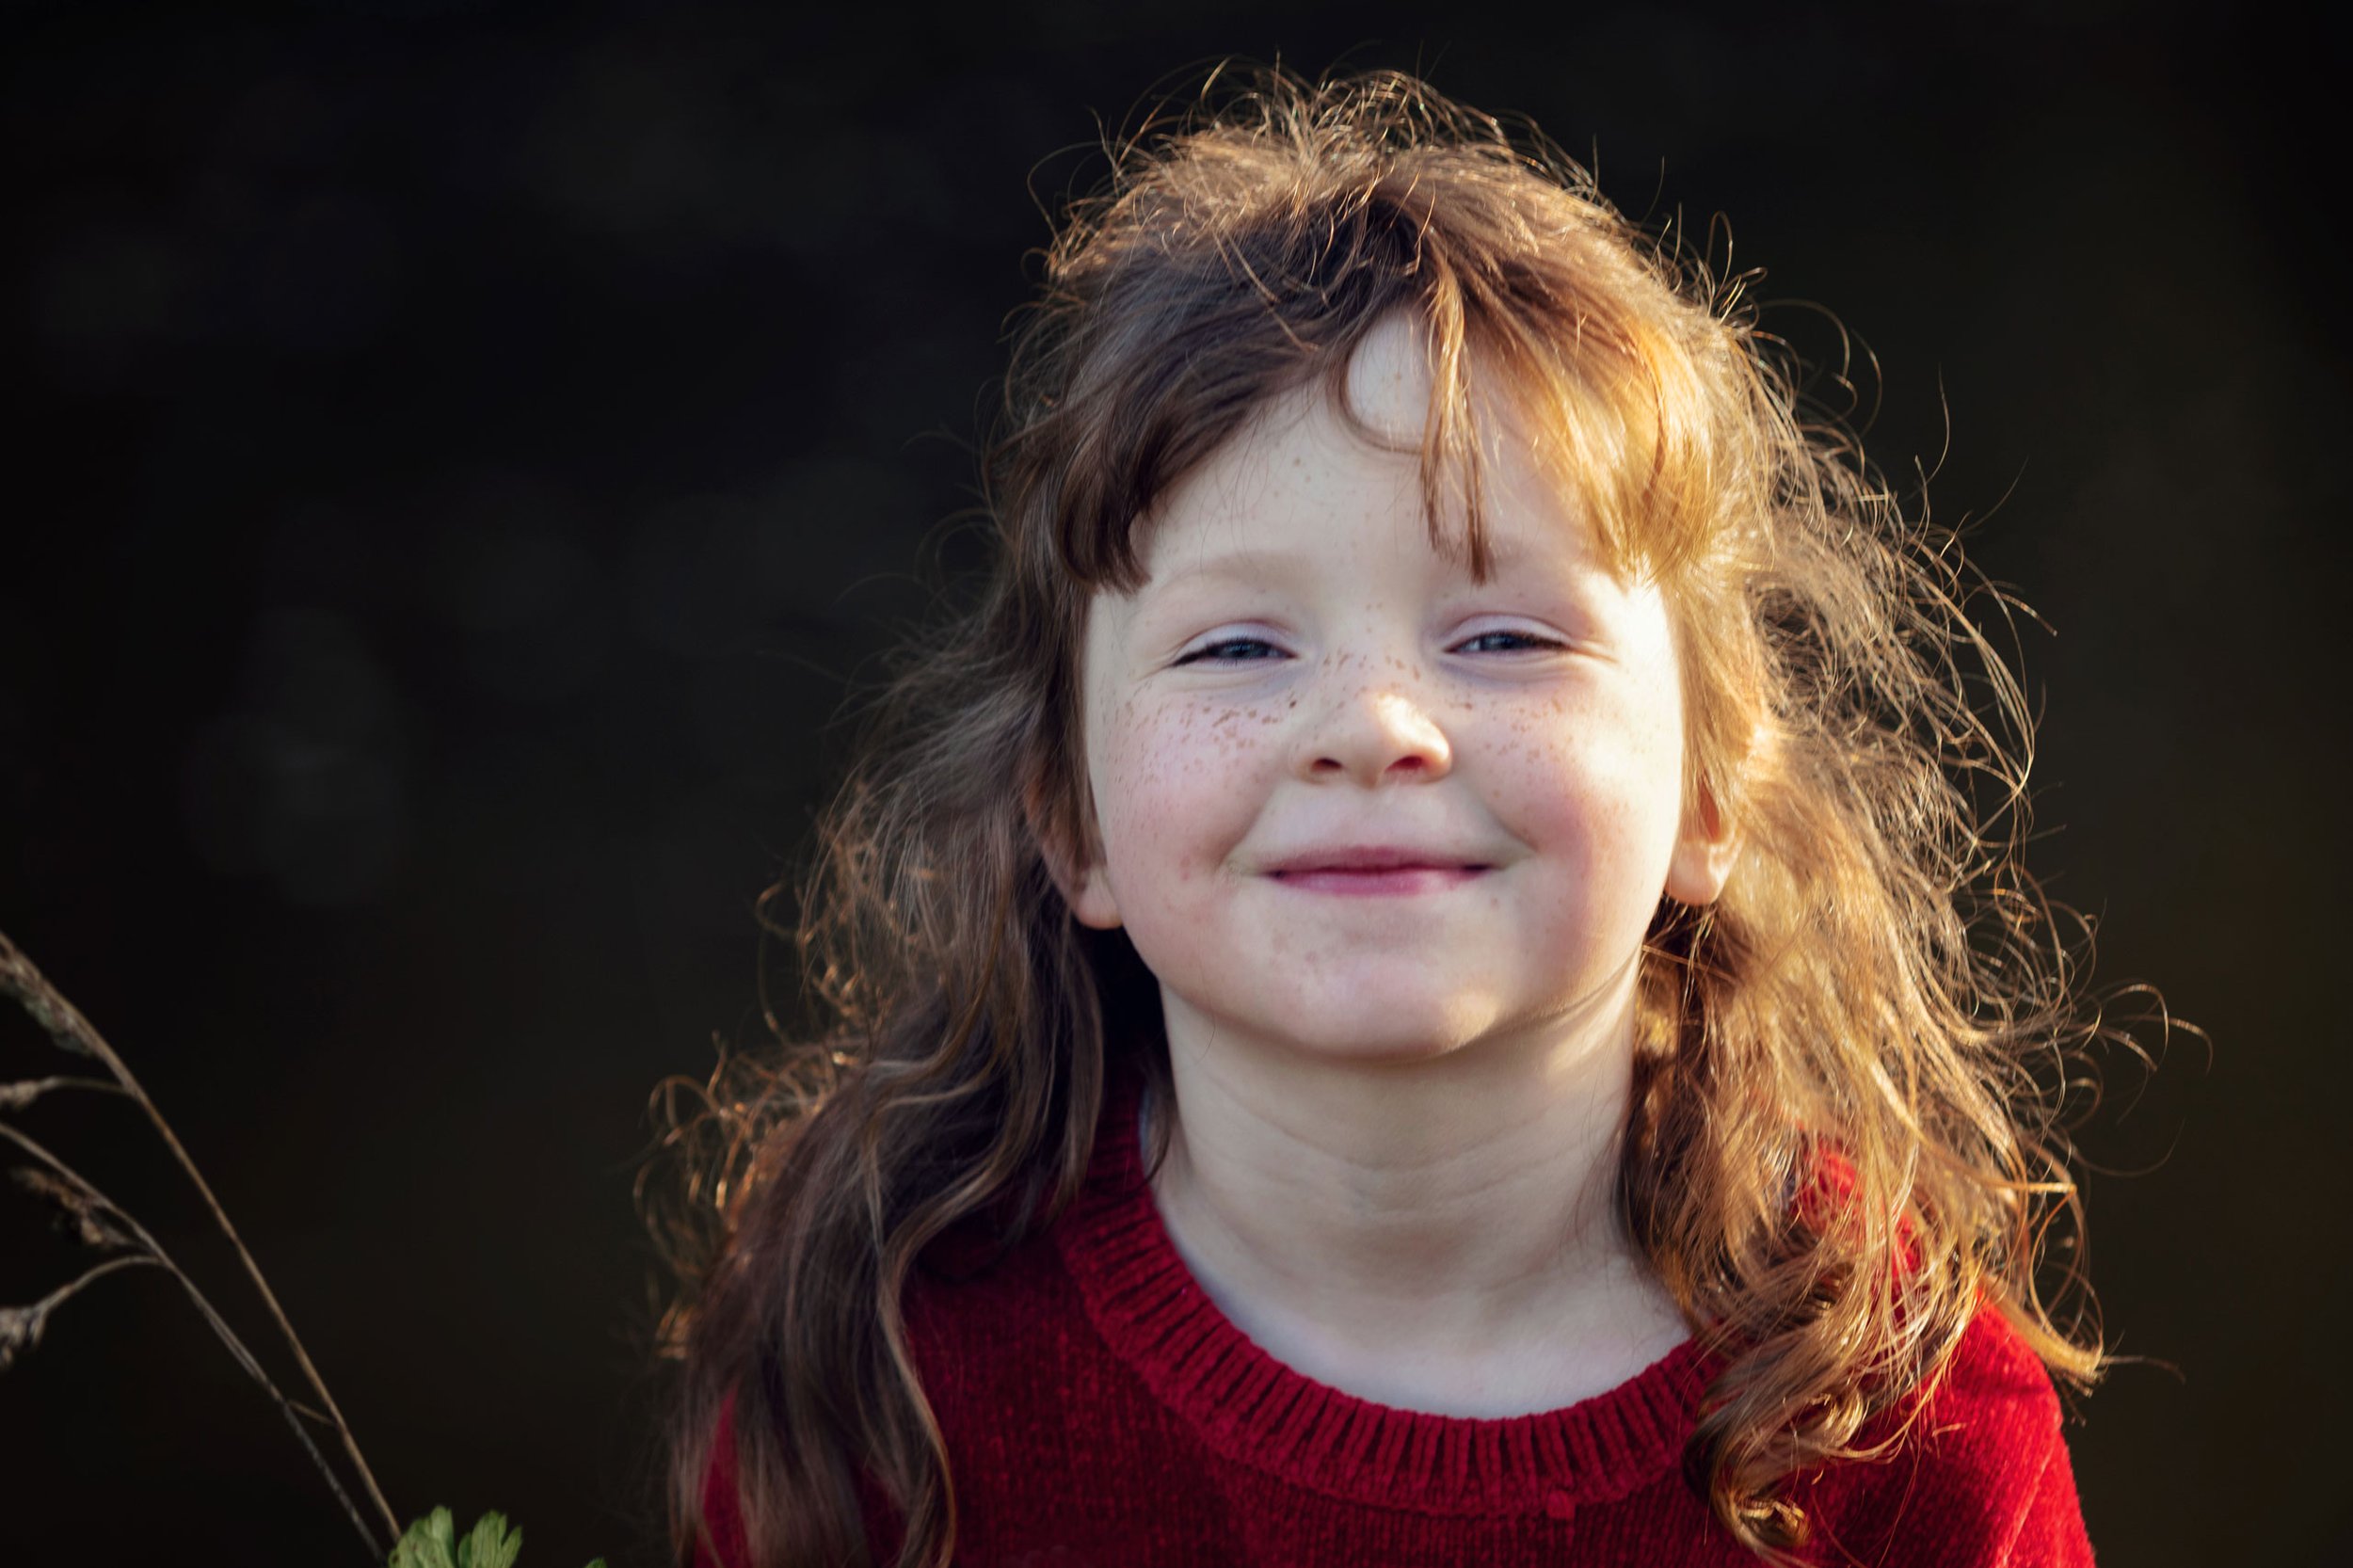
1078	876
1083	887
1705	855
1088	894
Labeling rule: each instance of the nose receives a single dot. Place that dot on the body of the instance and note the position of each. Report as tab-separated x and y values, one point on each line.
1375	733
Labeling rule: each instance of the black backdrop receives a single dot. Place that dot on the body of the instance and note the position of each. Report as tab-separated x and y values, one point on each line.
460	452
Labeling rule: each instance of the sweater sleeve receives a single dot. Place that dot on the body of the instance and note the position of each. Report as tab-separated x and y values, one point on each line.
2051	1529
1981	1480
2034	1481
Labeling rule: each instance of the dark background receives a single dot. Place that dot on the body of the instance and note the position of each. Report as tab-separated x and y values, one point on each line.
461	451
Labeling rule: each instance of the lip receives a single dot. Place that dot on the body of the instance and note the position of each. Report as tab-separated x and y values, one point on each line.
1375	870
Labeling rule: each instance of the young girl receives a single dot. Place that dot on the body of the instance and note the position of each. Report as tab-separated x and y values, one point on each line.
1427	978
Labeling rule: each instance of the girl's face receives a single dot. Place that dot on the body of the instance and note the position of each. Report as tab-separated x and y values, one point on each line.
1351	802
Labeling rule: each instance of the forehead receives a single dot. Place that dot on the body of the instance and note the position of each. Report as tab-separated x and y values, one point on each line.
1344	466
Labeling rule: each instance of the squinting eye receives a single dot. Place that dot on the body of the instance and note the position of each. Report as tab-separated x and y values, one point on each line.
1504	642
1232	650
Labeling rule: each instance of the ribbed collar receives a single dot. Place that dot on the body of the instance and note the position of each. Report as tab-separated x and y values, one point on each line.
1252	1409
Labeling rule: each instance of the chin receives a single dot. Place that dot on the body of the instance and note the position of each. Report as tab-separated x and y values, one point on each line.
1388	1036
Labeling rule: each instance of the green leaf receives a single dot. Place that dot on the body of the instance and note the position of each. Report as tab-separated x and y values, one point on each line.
491	1545
431	1543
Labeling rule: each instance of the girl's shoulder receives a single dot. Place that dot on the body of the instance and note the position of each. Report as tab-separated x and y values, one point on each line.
988	1304
1981	1476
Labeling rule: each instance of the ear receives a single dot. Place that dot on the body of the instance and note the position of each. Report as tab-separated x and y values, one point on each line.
1073	861
1705	851
1087	890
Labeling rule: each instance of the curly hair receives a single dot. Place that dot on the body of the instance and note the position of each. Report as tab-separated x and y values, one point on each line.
1879	993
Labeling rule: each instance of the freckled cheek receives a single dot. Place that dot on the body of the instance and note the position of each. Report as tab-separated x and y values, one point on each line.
1611	808
1173	790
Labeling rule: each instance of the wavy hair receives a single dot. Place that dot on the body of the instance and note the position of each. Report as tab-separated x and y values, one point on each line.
1878	995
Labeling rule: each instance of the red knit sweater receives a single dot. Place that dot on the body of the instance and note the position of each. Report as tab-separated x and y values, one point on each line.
1100	1412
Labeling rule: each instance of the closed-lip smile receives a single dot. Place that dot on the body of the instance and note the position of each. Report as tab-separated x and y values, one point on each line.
1374	869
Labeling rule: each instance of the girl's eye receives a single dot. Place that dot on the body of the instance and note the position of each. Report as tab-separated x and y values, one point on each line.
1504	642
1232	650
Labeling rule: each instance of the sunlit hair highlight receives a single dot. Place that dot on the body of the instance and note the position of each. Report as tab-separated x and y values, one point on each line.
1843	1141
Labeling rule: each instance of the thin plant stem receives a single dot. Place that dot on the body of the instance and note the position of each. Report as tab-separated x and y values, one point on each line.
16	1097
65	1292
73	1032
152	1251
20	1327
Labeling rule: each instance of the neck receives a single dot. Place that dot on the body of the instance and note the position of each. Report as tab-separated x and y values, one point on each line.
1439	1234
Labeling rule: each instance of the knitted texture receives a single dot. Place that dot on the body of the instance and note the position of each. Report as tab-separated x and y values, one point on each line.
1101	1412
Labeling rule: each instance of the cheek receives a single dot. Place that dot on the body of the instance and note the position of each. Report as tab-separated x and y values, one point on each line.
1601	786
1172	791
